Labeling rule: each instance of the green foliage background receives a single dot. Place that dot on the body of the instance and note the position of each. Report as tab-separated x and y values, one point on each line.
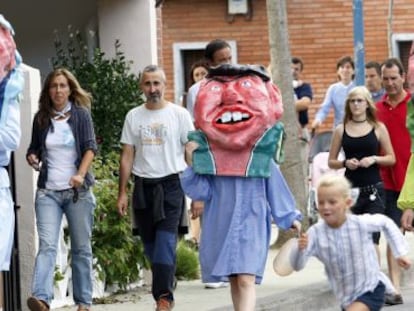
188	267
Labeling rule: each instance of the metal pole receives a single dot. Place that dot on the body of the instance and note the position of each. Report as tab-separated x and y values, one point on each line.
359	47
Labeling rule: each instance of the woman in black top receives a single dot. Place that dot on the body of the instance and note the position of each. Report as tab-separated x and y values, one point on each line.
366	144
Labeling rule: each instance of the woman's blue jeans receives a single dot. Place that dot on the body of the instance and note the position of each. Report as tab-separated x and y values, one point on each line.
50	205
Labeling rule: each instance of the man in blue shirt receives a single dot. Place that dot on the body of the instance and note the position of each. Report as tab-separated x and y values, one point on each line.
337	92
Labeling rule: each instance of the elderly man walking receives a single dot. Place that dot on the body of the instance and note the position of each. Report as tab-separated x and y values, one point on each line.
153	138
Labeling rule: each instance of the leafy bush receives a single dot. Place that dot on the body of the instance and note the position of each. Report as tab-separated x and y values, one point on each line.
119	254
114	88
187	262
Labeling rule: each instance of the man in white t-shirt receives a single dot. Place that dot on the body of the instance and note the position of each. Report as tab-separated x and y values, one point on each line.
153	139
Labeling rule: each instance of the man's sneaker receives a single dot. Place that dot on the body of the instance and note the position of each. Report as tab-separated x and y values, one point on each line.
35	304
216	285
393	299
163	304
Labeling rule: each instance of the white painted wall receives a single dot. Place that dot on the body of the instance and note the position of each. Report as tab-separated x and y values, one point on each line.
35	22
133	22
26	183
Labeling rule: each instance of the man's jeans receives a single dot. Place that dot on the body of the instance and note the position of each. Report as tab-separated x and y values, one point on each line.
50	206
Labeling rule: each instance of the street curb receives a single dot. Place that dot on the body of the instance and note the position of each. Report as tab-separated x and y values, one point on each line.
317	296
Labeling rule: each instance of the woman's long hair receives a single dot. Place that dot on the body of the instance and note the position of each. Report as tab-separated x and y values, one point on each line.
78	96
371	111
199	63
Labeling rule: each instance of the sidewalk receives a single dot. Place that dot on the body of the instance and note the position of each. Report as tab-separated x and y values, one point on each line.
304	290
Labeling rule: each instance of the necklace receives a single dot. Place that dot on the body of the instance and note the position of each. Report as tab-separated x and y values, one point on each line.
358	121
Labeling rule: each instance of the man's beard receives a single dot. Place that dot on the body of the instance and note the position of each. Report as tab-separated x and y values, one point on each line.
154	98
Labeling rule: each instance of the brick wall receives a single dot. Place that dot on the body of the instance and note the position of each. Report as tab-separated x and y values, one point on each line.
320	32
159	38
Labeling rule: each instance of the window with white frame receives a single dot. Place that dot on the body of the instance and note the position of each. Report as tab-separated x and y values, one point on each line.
401	45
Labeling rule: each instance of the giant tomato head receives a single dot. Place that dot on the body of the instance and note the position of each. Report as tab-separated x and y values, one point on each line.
235	111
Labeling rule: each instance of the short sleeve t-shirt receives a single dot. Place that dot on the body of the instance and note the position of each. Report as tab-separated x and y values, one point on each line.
158	137
61	151
395	121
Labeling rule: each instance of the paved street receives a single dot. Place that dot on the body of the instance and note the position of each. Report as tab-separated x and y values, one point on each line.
304	290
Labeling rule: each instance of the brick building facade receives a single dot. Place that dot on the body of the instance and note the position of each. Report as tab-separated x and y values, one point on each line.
320	32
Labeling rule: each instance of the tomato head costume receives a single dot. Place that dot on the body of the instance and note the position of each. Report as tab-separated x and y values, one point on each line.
236	114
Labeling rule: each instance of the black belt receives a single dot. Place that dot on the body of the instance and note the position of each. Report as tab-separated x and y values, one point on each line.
370	188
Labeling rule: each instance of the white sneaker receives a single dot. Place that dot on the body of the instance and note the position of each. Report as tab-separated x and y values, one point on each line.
216	285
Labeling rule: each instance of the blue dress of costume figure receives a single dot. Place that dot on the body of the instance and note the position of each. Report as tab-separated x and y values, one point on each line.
237	220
